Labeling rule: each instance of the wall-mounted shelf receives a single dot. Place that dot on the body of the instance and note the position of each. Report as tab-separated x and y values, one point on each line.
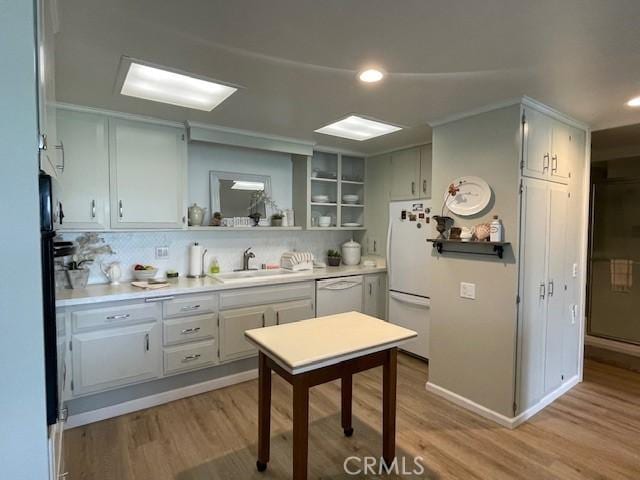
443	246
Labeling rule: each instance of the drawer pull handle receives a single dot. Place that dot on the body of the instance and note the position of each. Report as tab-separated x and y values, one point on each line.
122	316
190	307
187	331
190	358
146	342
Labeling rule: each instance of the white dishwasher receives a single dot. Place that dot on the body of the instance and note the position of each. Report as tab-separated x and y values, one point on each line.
339	295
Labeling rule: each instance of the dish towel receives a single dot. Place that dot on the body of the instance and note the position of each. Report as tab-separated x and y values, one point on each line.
297	261
621	275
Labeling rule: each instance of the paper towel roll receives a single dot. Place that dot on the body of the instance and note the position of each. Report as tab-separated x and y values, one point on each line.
195	260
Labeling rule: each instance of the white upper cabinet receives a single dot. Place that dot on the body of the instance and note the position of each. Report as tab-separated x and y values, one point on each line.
84	184
50	149
547	147
405	174
411	174
148	164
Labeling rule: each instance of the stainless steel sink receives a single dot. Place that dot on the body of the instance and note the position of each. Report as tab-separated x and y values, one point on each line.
253	275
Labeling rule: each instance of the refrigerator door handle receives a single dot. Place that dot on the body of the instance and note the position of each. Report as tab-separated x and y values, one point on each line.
389	231
410	299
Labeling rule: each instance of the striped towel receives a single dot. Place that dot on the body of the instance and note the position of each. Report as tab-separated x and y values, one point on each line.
621	275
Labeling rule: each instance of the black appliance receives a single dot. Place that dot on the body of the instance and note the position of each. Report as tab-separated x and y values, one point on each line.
47	236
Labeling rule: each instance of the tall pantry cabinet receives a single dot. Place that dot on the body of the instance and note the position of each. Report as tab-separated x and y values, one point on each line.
553	152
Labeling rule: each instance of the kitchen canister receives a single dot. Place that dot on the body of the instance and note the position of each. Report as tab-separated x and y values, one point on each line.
351	252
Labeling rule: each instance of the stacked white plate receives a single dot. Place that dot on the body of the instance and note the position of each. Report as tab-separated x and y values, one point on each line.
350	198
320	198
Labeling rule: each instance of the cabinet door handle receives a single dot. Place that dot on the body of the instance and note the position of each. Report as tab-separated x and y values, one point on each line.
146	342
277	318
120	208
375	246
121	316
190	308
413	188
550	290
545	162
189	358
542	291
370	289
188	331
93	209
61	148
263	321
424	186
554	163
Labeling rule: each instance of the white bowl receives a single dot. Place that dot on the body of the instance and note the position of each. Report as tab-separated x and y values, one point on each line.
320	198
324	221
350	198
141	275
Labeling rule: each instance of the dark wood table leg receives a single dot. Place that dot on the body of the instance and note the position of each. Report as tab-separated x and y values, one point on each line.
347	394
300	429
264	412
389	381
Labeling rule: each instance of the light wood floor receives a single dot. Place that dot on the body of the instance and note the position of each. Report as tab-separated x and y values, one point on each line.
591	432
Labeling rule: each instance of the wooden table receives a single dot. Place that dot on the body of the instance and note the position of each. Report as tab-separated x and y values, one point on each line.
320	350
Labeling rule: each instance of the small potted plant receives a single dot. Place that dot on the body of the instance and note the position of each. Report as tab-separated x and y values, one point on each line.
333	258
276	219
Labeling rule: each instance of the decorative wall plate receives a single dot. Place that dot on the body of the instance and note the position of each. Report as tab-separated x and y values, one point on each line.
473	197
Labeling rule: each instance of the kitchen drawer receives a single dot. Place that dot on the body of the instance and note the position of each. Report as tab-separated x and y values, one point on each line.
190	305
265	295
121	314
180	330
190	356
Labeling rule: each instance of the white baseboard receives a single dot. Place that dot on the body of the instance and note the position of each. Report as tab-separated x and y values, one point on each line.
470	405
158	399
614	345
546	401
509	422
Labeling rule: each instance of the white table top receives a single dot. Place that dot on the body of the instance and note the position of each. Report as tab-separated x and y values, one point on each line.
319	342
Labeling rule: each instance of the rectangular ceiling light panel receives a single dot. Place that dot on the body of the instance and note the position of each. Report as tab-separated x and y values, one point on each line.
358	128
156	84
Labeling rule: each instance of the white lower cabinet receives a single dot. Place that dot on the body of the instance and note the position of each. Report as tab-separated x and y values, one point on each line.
290	312
190	356
374	295
114	357
233	324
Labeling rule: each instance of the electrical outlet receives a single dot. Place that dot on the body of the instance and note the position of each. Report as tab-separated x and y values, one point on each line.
468	290
574	272
162	252
574	314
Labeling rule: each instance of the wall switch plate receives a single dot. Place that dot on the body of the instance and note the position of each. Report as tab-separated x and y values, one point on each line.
574	271
468	290
162	252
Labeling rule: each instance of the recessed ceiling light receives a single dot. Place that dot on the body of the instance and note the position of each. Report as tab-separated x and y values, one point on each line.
634	102
166	86
357	128
371	75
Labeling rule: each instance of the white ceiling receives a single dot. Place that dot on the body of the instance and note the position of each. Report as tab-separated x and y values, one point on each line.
297	59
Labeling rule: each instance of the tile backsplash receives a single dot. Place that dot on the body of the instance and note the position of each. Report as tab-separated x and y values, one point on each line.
227	247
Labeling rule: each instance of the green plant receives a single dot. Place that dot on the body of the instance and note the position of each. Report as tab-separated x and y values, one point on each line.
277	216
90	246
334	253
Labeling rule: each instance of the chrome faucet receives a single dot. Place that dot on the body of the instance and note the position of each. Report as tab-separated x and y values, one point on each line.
246	256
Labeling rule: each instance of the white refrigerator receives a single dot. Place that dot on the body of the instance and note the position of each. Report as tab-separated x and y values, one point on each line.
409	259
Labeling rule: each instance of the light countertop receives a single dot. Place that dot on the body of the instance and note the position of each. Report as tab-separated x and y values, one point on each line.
310	344
125	291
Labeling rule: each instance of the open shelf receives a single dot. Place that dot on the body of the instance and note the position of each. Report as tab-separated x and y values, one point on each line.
319	179
324	204
209	228
442	245
353	205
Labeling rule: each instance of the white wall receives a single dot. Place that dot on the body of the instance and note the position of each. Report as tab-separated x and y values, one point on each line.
23	430
473	341
204	157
